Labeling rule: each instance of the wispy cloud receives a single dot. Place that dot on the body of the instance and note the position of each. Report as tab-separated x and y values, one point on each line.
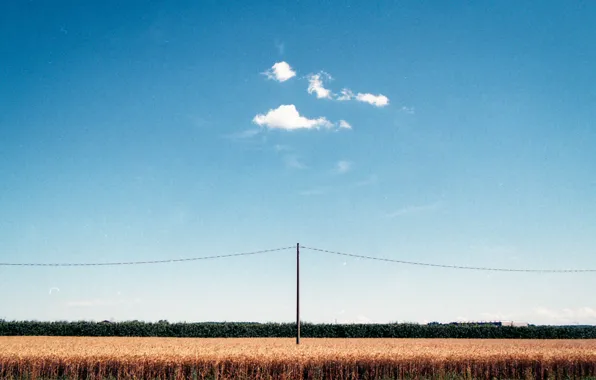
287	117
343	166
346	94
408	110
414	210
345	124
280	71
315	85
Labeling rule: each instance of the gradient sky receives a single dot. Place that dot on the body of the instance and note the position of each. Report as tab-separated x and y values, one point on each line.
152	130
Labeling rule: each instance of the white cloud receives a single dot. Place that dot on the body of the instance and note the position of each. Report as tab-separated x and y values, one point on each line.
409	110
344	124
346	94
287	117
343	166
315	84
375	100
280	71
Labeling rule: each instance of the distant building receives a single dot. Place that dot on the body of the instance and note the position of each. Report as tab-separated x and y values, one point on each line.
485	323
514	324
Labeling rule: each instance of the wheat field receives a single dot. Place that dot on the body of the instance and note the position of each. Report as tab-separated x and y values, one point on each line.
275	358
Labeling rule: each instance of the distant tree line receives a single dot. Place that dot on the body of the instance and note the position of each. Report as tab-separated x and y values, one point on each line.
287	330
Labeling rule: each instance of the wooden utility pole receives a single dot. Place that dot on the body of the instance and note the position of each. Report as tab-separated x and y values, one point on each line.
298	293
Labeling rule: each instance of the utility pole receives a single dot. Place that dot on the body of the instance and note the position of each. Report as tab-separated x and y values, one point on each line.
298	293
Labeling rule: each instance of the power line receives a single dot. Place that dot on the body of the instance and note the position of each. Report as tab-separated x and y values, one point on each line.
450	266
293	247
144	262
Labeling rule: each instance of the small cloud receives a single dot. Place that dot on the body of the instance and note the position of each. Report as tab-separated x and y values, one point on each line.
375	100
413	210
54	289
344	124
343	166
408	110
287	117
315	85
346	94
280	71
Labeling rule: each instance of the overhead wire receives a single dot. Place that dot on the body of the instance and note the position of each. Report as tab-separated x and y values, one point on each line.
365	257
448	266
146	261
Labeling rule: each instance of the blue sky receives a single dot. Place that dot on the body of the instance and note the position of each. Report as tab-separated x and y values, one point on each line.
440	132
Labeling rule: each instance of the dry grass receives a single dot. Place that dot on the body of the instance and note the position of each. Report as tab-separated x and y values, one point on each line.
78	357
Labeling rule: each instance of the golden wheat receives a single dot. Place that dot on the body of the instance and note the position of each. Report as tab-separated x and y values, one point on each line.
268	358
